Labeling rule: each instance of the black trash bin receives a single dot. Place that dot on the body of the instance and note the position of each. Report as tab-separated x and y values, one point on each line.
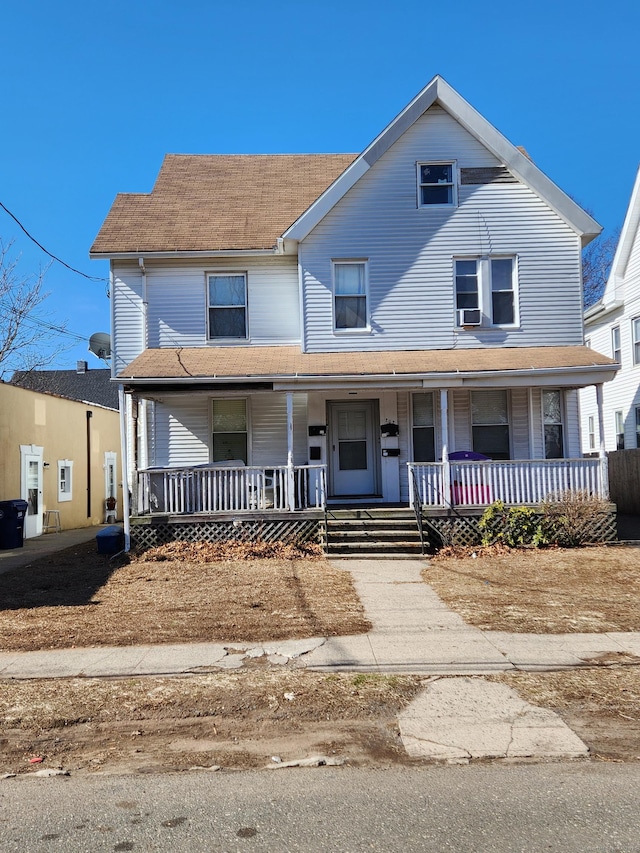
12	515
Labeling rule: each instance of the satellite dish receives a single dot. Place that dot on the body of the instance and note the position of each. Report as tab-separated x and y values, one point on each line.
100	345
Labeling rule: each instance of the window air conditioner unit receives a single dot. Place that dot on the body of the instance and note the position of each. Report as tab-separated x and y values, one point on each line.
469	316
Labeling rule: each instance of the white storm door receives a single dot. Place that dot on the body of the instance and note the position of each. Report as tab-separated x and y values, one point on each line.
353	448
31	488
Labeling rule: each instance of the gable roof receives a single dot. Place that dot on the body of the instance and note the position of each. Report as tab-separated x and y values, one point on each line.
93	386
628	236
220	203
514	158
217	202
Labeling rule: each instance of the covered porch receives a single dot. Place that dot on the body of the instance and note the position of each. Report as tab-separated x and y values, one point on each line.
207	441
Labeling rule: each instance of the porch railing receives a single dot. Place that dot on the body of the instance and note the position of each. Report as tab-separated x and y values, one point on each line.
522	481
213	489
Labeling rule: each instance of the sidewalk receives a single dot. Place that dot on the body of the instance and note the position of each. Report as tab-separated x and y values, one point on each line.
43	546
413	632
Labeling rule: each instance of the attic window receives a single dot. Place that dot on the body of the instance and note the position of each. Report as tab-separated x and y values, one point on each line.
437	185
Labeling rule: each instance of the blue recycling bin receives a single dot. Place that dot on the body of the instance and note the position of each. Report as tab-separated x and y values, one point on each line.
12	514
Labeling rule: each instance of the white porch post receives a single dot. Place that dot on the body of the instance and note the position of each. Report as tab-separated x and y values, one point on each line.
291	489
444	427
124	461
604	473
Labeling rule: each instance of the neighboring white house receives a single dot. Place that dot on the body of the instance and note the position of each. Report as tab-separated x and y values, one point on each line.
612	326
295	329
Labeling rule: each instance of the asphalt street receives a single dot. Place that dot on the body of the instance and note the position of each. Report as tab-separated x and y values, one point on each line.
565	807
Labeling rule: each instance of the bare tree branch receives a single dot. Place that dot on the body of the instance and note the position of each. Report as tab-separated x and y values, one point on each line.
23	345
596	266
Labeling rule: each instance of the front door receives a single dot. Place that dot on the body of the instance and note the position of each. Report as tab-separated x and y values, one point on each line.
353	448
31	488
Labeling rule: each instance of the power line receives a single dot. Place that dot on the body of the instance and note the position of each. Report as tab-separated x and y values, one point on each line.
60	330
47	252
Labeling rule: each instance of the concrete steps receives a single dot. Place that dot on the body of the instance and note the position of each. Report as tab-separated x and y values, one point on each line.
373	533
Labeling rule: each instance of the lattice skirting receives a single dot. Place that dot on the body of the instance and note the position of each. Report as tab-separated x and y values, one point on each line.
147	534
461	529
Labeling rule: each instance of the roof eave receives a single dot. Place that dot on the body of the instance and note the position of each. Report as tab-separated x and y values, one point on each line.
577	376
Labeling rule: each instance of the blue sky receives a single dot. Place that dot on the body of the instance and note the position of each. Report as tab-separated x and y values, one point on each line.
94	95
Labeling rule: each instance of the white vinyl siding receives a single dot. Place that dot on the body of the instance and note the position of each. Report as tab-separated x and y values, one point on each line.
411	252
128	309
182	429
177	304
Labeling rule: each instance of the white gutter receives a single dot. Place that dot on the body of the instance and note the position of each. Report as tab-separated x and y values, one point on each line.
145	305
221	253
282	382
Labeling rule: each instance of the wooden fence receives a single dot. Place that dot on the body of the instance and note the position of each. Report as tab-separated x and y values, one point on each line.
624	480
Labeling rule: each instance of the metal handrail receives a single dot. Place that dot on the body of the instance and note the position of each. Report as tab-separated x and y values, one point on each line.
417	509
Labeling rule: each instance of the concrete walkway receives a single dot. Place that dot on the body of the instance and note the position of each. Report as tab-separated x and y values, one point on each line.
44	546
453	719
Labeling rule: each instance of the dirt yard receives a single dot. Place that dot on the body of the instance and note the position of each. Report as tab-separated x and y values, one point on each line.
244	719
77	598
554	591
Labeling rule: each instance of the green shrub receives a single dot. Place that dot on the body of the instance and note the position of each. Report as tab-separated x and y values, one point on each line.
515	526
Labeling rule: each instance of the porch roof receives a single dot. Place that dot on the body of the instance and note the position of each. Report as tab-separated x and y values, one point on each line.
286	367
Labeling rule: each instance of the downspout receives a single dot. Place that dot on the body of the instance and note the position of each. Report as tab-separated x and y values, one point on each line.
145	305
89	416
125	468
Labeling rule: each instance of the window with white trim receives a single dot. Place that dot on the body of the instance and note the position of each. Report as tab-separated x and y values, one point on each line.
485	291
553	426
635	328
350	295
637	426
490	424
591	427
437	184
229	430
423	424
227	305
619	427
65	480
616	347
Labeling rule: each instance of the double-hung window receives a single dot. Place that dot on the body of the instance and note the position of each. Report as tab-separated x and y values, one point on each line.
553	430
423	422
591	424
230	430
618	420
227	299
65	483
437	184
485	291
350	295
616	347
637	426
635	328
490	423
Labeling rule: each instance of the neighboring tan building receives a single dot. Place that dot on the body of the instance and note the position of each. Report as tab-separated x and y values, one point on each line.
59	454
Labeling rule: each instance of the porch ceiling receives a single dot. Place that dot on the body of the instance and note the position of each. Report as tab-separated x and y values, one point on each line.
286	367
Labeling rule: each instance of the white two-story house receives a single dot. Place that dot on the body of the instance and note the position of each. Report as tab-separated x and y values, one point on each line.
612	326
399	326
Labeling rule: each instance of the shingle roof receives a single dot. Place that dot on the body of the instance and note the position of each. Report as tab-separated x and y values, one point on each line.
287	362
210	202
92	386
